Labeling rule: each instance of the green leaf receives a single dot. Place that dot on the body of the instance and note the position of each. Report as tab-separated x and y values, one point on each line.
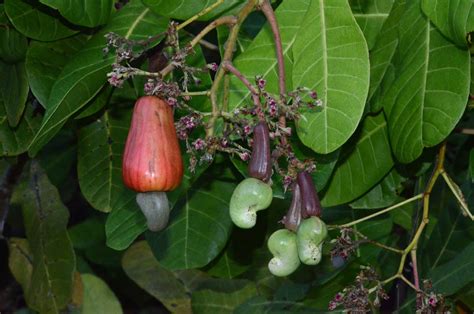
59	159
370	15
87	233
381	56
430	90
97	103
184	9
125	223
208	301
331	57
362	166
457	273
14	141
20	261
13	90
454	18
403	216
260	58
85	74
260	304
45	219
45	61
31	20
98	297
142	267
13	45
226	266
199	227
90	13
99	168
383	194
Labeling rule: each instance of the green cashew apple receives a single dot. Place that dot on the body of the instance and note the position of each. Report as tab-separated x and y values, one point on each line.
310	237
282	245
250	196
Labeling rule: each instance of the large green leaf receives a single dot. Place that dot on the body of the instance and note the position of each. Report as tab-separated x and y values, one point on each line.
457	273
45	219
363	165
142	267
199	227
13	45
184	9
31	20
97	103
260	304
381	63
13	90
98	297
20	261
99	168
430	90
331	57
260	58
209	301
384	194
125	223
370	15
85	74
226	266
14	141
45	61
454	18
88	13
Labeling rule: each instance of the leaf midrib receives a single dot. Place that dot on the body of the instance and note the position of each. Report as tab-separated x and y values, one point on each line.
325	71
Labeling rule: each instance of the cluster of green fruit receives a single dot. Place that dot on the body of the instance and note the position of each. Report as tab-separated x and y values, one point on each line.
302	240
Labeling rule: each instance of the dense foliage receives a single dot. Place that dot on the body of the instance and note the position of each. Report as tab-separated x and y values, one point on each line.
367	102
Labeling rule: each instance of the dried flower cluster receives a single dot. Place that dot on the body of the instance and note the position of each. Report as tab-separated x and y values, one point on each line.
427	301
357	297
344	246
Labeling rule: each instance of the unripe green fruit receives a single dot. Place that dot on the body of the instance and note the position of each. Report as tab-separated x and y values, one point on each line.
310	237
282	245
250	196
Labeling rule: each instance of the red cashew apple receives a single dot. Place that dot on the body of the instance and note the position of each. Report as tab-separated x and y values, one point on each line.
152	162
152	158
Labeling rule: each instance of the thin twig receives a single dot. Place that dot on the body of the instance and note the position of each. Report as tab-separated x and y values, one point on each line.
208	45
386	210
203	12
255	95
459	198
229	20
465	131
381	245
198	93
408	282
267	10
414	265
224	20
228	54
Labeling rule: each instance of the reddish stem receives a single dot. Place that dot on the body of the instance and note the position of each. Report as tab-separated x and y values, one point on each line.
415	270
267	10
